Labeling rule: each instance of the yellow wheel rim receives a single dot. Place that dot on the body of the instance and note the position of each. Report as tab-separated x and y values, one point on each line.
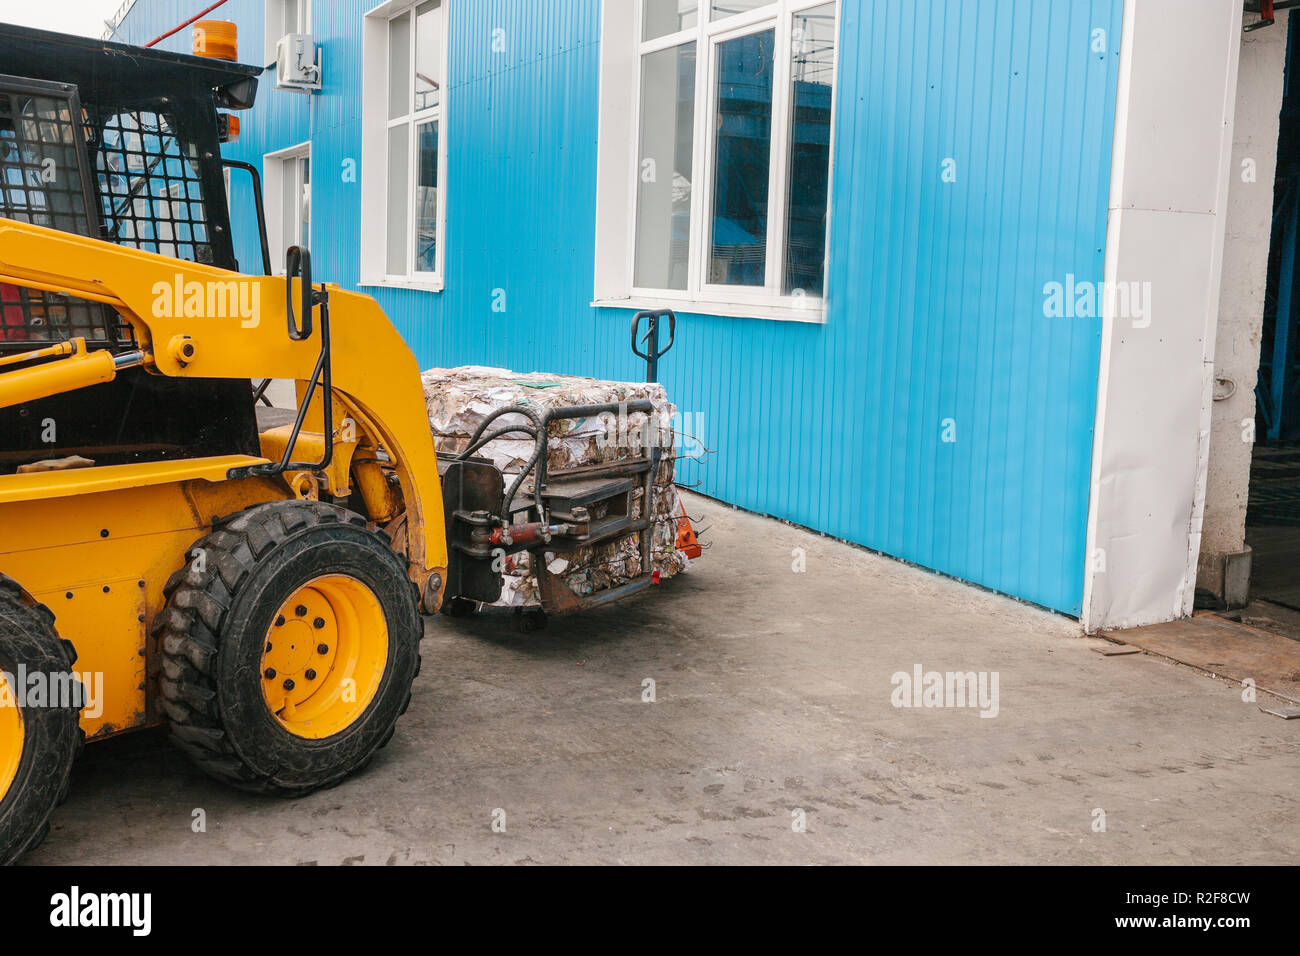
11	736
324	656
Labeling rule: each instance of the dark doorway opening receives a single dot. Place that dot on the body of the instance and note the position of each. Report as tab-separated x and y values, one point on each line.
1273	514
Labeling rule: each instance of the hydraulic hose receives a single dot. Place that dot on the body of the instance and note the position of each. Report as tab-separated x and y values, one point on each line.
538	432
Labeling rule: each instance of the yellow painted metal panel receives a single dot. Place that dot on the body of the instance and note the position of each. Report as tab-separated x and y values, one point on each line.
116	540
85	481
108	621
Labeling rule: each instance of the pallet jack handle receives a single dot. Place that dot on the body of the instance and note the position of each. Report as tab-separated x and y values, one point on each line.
653	353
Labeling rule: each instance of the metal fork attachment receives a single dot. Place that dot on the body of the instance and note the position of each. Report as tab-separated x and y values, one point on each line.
548	511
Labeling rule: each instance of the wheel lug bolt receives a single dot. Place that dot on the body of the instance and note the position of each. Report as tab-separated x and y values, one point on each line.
288	685
279	621
311	674
318	623
300	610
322	648
269	674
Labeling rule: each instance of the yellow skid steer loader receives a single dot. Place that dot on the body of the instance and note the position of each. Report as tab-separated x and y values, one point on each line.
170	550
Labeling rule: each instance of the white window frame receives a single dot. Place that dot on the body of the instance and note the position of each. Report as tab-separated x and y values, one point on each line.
619	136
273	186
374	152
275	27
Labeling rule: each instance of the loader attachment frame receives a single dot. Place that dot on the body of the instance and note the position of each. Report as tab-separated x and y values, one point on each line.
485	524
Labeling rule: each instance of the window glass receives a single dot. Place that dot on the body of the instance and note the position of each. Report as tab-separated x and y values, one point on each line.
399	66
304	210
719	9
732	76
426	199
742	160
662	17
428	54
289	201
812	75
399	141
664	172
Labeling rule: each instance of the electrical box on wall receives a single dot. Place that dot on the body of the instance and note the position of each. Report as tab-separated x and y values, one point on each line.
297	63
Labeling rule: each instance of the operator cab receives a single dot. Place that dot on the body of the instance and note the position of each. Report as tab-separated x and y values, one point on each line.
119	143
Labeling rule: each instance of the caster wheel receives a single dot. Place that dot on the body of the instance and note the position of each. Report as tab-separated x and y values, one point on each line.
531	620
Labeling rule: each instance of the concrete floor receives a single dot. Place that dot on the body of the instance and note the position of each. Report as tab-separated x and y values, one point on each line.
773	694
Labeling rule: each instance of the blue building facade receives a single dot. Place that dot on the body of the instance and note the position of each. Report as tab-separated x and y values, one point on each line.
937	412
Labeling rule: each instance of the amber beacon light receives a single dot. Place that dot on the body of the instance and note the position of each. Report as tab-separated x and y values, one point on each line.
217	39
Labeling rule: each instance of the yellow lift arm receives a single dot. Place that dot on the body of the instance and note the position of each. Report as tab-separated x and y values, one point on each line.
200	321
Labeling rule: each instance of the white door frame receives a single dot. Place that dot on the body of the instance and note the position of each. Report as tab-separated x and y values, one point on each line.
273	200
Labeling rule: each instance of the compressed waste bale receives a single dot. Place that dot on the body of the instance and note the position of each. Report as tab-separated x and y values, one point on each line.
458	400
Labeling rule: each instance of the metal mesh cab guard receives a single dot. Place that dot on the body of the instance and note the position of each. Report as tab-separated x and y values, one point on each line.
113	142
44	180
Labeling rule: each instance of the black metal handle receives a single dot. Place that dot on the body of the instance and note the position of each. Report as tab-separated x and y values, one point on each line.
257	206
297	263
653	352
321	377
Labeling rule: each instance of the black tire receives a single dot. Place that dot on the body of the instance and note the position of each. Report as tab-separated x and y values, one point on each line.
211	636
52	735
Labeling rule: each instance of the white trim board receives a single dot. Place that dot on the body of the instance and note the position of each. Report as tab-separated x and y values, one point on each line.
1167	214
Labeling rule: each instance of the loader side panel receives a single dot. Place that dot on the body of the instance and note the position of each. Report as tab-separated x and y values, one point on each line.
99	561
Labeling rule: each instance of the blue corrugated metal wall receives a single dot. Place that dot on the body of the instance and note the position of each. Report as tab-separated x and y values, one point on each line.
936	289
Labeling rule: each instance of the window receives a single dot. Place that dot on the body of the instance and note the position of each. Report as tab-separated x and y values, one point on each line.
282	18
44	180
715	142
287	177
403	214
